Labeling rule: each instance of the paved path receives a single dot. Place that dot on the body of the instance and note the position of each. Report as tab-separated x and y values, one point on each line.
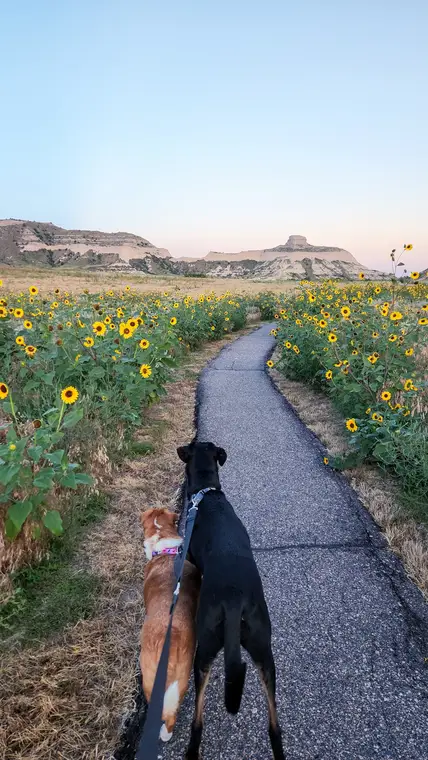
349	630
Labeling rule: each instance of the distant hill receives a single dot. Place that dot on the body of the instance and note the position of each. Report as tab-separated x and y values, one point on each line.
42	244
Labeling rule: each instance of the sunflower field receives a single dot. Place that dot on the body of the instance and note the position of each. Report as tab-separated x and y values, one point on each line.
366	345
74	368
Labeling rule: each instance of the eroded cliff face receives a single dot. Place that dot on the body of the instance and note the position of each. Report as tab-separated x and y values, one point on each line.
295	249
24	243
43	243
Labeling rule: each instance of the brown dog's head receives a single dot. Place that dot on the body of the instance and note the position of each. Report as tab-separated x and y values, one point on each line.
160	530
202	460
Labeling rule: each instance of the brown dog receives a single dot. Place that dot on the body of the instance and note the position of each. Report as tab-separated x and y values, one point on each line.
160	544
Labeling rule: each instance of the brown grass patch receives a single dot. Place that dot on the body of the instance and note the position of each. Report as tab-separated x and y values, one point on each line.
74	281
407	538
67	697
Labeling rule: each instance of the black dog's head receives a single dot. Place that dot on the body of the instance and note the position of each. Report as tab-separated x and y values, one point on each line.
202	460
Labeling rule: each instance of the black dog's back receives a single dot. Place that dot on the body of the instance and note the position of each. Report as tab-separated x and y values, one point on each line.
232	608
232	600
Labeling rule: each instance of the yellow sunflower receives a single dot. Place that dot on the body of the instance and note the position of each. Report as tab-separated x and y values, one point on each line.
69	395
287	344
408	247
269	363
372	359
144	343
361	276
33	290
332	337
385	395
423	321
88	342
173	321
351	425
392	338
409	352
322	323
414	275
395	316
27	324
30	350
145	370
345	311
325	460
408	385
4	390
296	349
18	313
20	340
99	328
3	312
329	374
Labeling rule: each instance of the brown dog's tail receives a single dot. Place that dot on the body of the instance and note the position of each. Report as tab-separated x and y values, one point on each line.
234	667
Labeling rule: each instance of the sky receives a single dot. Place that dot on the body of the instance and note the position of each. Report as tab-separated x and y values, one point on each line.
220	125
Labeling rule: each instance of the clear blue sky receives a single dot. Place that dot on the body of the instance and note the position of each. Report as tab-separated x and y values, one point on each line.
219	124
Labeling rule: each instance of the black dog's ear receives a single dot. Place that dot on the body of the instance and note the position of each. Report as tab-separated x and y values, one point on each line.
184	453
220	456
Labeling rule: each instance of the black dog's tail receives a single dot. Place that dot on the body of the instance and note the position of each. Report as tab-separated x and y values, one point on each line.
234	667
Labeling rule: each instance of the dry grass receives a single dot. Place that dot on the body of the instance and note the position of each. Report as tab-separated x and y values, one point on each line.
407	538
74	281
67	697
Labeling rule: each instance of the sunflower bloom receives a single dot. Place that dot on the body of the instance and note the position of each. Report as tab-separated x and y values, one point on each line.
145	370
269	363
385	395
173	321
144	343
329	374
395	316
345	311
69	395
414	275
99	328
27	324
408	385
361	276
423	321
325	460
332	337
18	313
30	350
4	390
409	352
33	290
351	425
20	340
88	342
408	247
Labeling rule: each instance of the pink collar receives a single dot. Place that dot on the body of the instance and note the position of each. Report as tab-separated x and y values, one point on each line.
167	550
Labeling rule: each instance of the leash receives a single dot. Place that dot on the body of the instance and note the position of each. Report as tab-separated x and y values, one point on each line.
148	744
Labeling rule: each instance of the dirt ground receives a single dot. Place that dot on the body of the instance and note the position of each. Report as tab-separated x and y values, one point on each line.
74	281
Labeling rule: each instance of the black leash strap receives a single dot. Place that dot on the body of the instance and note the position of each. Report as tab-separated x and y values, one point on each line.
148	745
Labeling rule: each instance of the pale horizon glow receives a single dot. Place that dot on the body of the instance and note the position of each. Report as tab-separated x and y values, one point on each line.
220	126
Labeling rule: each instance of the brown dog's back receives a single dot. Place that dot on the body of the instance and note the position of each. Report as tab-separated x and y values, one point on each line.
159	583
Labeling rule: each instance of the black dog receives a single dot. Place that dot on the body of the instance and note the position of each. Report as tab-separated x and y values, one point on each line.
232	608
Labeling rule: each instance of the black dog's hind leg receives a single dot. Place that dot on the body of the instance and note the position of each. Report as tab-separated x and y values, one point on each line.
205	655
261	654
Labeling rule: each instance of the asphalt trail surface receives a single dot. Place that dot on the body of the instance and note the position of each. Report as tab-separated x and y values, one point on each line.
349	629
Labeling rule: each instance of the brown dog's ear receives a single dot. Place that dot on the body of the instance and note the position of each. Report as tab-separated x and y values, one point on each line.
145	517
220	456
184	452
